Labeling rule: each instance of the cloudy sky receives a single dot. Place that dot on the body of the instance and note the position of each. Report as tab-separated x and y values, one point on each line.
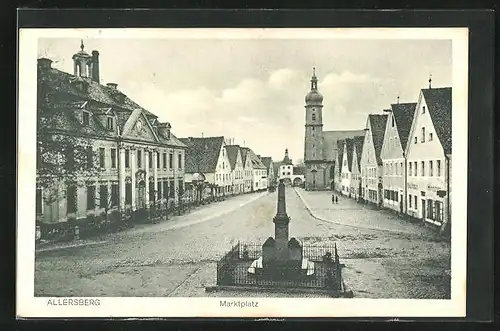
253	90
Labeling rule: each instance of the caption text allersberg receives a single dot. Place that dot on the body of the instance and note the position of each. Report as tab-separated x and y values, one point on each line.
73	302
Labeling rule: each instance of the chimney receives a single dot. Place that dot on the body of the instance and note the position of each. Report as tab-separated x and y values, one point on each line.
114	86
44	63
95	66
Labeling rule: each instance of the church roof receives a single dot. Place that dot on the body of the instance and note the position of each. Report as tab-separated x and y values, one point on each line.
438	102
403	116
378	123
202	154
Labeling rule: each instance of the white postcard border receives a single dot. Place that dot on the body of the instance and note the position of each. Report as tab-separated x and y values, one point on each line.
30	306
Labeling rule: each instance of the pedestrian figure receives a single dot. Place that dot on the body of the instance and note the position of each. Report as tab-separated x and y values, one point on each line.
333	198
336	199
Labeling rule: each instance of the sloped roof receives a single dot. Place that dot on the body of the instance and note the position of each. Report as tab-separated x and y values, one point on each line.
358	142
256	162
403	116
267	161
286	159
202	154
340	148
349	149
378	123
232	154
244	153
438	102
330	139
66	98
299	170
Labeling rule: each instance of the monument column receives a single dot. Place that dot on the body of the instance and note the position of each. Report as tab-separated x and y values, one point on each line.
281	221
133	164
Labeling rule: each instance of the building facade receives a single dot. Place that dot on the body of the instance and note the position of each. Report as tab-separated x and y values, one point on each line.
357	149
259	171
237	170
248	174
393	157
320	147
429	157
207	156
346	168
139	160
371	163
269	164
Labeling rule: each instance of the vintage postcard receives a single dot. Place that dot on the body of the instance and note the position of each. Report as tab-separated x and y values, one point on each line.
242	172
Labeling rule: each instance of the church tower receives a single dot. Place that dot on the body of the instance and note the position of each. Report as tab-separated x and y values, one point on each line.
313	142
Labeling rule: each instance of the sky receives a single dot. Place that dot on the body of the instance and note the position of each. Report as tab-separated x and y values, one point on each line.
253	90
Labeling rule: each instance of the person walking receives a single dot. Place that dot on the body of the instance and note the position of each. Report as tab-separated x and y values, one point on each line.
333	198
336	199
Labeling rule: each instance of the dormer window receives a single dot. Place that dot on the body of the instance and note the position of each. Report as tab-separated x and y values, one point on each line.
110	123
85	117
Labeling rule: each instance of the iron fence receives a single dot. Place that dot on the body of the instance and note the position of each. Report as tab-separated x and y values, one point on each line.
252	251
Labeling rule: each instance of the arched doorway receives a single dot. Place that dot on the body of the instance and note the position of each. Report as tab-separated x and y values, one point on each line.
297	181
141	194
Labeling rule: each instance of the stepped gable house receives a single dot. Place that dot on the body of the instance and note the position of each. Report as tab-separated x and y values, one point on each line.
207	156
397	130
139	159
320	148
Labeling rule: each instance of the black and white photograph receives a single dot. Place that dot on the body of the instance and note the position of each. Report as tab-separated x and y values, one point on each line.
222	170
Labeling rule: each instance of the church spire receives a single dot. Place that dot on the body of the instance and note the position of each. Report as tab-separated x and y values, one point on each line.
314	80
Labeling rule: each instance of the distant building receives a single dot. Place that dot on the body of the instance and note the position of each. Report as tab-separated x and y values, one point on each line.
259	171
140	161
237	170
289	173
248	175
429	159
207	156
371	163
393	158
321	148
356	167
269	164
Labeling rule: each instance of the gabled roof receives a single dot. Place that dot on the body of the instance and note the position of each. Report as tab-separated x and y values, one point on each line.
358	143
349	149
330	139
202	154
378	123
403	116
438	102
244	153
66	98
232	154
267	161
340	148
256	162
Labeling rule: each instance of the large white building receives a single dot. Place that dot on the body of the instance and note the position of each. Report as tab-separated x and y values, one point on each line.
393	157
139	160
289	173
429	157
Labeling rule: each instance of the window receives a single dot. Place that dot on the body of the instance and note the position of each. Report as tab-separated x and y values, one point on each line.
392	117
127	158
409	200
101	158
85	118
423	135
313	117
165	189
158	160
109	123
422	164
171	161
283	173
415	169
415	202
416	140
113	157
150	159
114	195
139	159
430	136
165	160
90	157
103	196
90	197
172	189
71	202
430	169
423	110
438	166
401	168
128	193
39	201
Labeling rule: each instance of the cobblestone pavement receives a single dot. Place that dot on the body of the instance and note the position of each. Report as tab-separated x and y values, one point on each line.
179	258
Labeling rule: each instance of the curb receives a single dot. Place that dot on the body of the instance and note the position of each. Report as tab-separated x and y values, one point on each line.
309	210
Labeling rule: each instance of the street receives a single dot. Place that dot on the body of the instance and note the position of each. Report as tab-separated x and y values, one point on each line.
384	257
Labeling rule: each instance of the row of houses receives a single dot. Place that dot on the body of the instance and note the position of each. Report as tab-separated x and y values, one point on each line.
99	151
403	162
